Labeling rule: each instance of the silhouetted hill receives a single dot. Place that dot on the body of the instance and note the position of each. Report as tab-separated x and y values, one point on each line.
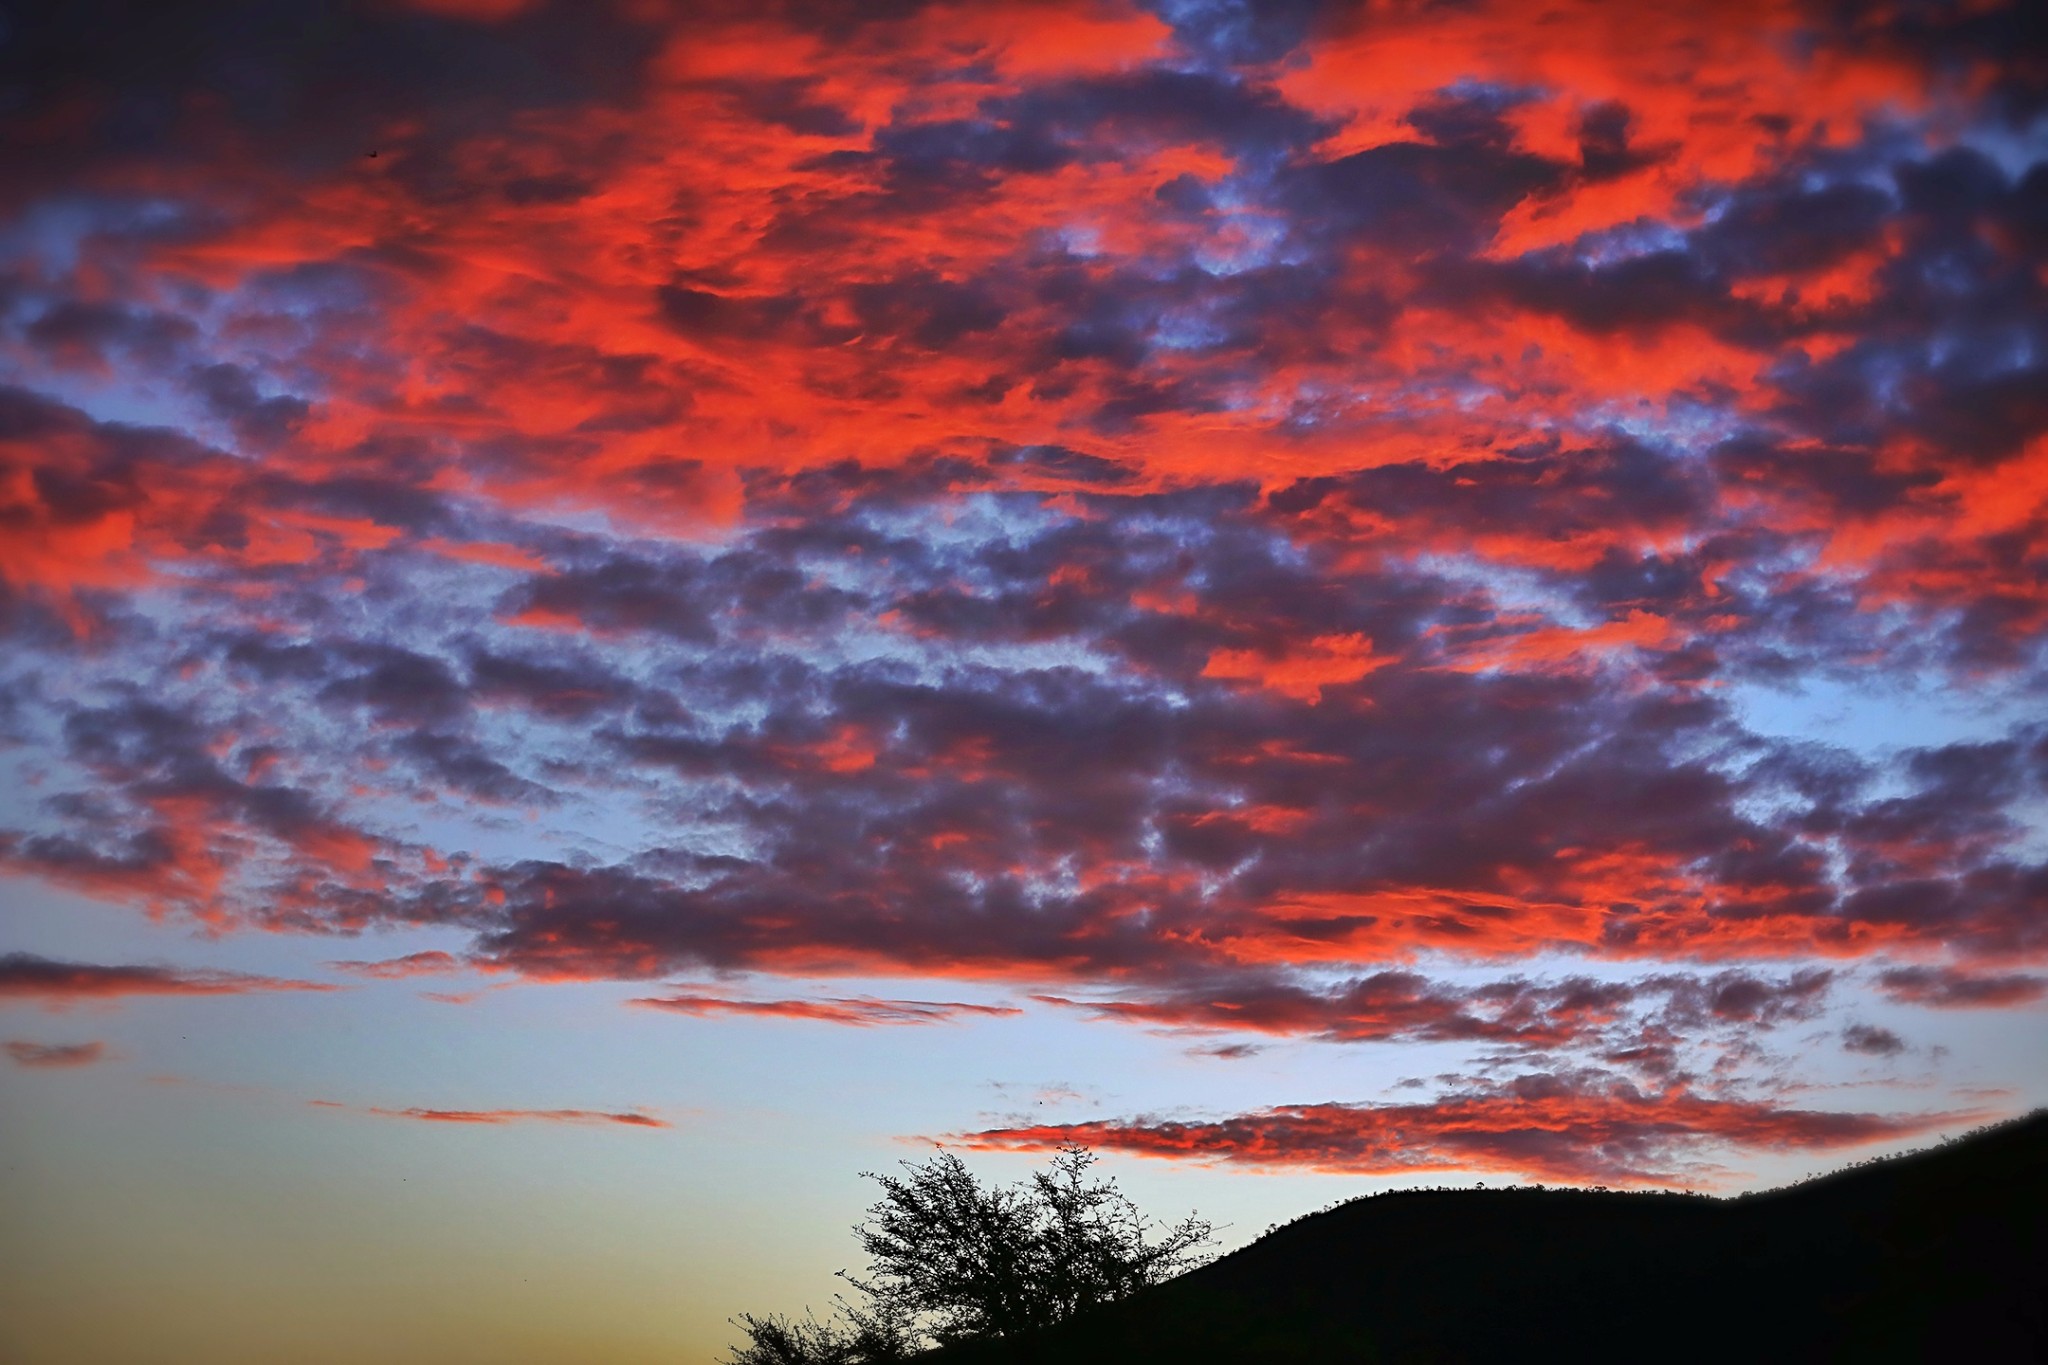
1934	1256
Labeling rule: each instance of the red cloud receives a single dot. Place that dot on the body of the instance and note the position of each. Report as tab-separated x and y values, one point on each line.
56	1054
57	984
497	1117
1578	1128
1698	88
858	1011
431	963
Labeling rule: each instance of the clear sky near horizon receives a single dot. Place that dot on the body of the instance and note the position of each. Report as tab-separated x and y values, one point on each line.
612	613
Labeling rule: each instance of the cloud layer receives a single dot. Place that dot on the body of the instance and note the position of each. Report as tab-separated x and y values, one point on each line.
1564	1127
1217	514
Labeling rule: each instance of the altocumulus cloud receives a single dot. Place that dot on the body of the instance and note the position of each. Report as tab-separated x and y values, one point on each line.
1103	506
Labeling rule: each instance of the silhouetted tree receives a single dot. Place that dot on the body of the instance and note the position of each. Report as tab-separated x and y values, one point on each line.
858	1338
951	1259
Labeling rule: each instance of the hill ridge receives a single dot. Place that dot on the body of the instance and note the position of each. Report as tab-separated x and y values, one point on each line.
1920	1255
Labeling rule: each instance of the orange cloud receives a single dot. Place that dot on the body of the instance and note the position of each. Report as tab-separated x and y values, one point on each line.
1300	671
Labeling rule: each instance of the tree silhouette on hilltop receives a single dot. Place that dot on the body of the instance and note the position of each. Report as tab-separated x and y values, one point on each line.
953	1260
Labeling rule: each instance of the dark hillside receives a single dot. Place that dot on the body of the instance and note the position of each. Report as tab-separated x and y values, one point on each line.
1935	1256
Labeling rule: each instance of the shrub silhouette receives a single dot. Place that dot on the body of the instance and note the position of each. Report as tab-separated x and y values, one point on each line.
953	1260
858	1339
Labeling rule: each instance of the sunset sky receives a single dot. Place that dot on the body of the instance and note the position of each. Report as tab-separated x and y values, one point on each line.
614	612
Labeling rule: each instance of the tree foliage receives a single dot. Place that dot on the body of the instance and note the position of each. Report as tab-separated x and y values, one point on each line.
951	1259
857	1338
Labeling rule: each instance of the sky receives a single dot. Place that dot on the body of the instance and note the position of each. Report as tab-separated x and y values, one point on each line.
612	613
